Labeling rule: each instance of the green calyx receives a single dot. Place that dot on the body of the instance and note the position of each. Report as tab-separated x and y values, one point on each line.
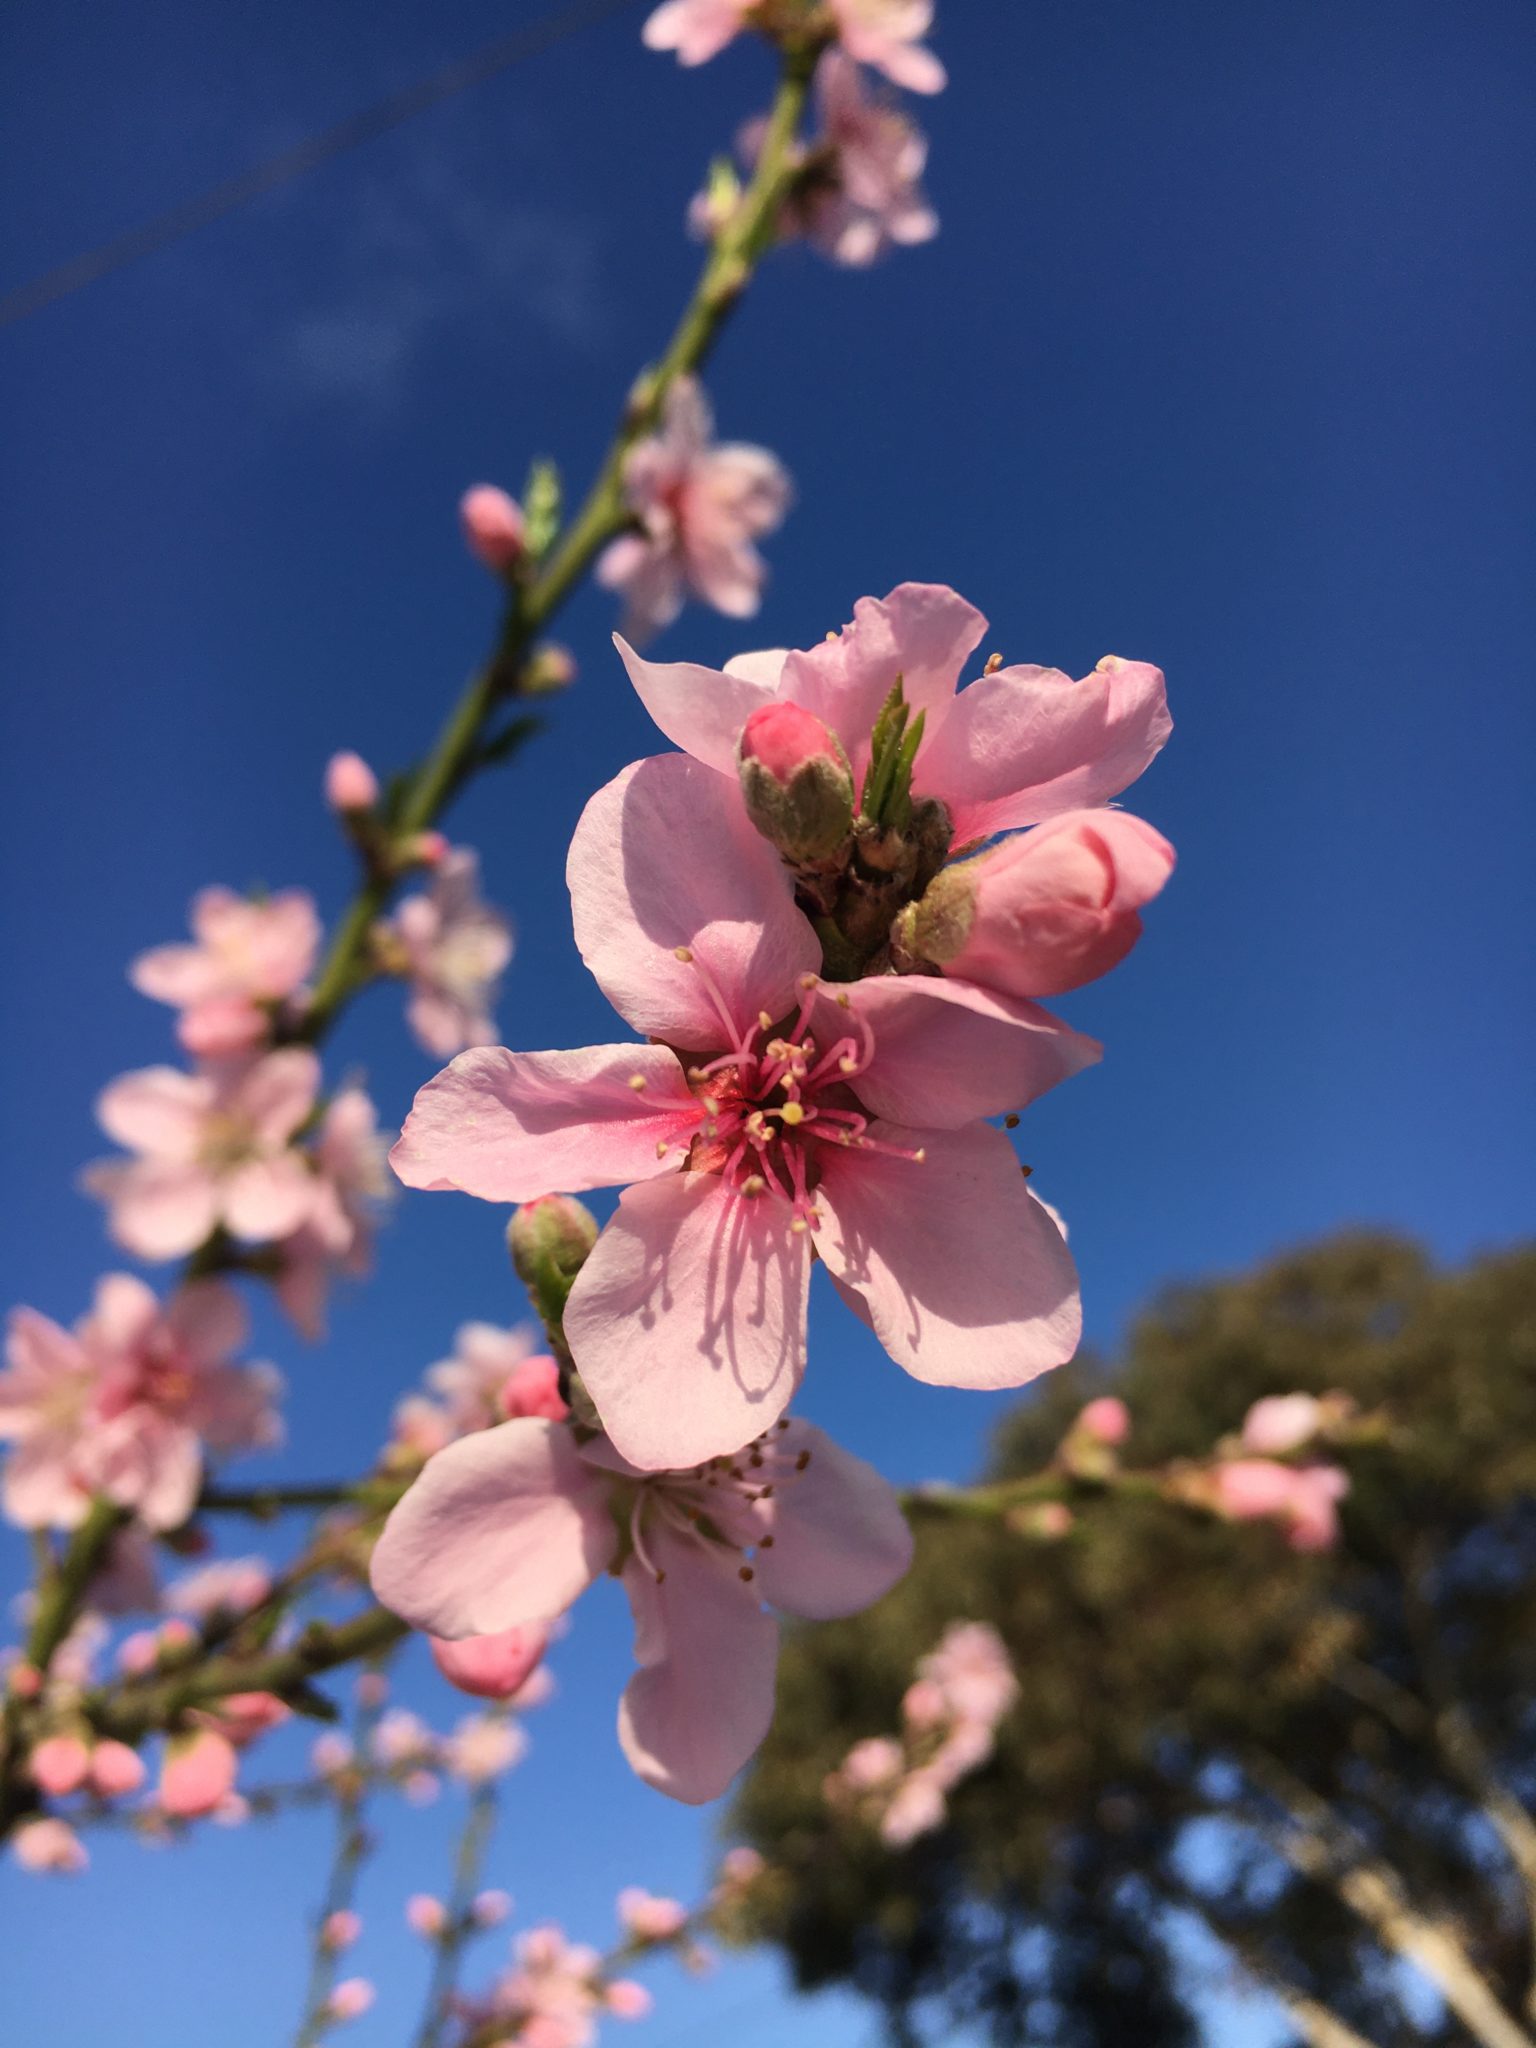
886	801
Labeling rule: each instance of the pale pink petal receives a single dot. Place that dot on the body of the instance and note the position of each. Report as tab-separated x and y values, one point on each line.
40	1354
763	666
266	1199
701	710
510	1126
158	1111
947	1052
664	858
702	1700
696	29
840	1539
967	1280
209	1317
38	1489
492	1667
1025	743
278	1093
160	1209
687	1323
503	1528
179	974
123	1311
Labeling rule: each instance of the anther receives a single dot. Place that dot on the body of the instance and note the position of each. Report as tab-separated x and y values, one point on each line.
849	1065
754	1184
802	1461
922	1153
793	1113
746	1574
994	663
799	1227
1010	1122
683	953
809	981
1026	1171
637	1081
782	1424
765	1022
845	1001
662	1148
765	1543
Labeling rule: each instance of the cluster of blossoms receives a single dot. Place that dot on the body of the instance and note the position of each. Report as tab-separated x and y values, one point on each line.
552	1996
1253	1484
950	1713
835	978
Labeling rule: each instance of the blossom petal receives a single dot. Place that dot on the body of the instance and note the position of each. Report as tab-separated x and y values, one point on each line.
687	1323
702	1700
840	1539
967	1280
278	1093
947	1052
508	1126
178	974
701	710
1025	743
503	1527
664	858
157	1110
266	1199
160	1208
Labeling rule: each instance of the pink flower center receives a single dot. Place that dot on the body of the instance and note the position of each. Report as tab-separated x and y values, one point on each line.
721	1502
160	1374
776	1099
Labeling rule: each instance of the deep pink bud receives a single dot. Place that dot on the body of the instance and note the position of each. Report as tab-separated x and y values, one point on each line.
60	1764
1107	1420
197	1775
1047	910
116	1770
23	1680
627	2000
351	1999
341	1929
493	526
533	1388
350	784
491	1667
795	781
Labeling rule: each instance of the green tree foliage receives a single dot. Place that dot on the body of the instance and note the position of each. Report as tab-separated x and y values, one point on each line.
1324	1763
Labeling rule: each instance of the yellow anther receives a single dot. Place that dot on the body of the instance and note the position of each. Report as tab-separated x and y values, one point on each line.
1108	665
683	953
847	1064
809	981
799	1227
764	1021
754	1184
662	1148
793	1112
845	1001
922	1153
637	1080
711	1105
994	663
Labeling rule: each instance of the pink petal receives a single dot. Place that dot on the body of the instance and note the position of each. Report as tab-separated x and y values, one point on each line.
269	1198
123	1311
510	1126
967	1281
701	710
39	1354
666	857
840	1539
947	1052
687	1323
209	1317
1024	743
180	974
278	1093
702	1700
503	1528
158	1110
37	1487
160	1209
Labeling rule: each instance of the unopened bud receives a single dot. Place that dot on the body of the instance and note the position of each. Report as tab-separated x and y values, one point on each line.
493	526
425	1915
490	1908
340	1929
350	784
550	1239
796	781
116	1770
548	669
491	1667
1107	1420
1045	911
421	850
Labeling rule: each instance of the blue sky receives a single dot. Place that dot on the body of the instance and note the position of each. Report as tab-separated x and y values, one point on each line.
1221	360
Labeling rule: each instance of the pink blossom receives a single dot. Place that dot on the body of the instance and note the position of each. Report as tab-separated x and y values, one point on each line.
351	1187
696	29
456	948
848	1119
492	1667
509	1526
198	1773
1302	1499
341	1929
870	1766
553	1990
403	1738
330	1754
1107	1420
1010	749
59	1764
49	1845
229	1585
626	1999
490	1908
245	954
494	1375
972	1668
240	1717
699	505
484	1746
869	195
494	527
887	35
350	784
1282	1423
740	1868
425	1915
213	1148
124	1405
645	1917
116	1770
351	1999
917	1808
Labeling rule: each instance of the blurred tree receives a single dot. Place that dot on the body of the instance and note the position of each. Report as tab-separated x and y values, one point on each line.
1313	1774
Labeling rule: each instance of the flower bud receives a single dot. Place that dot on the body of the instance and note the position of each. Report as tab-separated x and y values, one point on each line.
796	781
549	1239
116	1770
49	1845
532	1387
547	669
198	1773
491	1667
350	2000
425	1915
493	526
60	1764
1281	1423
1107	1420
350	784
340	1929
1047	910
490	1908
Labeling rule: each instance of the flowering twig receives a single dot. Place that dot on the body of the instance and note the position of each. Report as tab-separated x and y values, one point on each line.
352	1845
474	1840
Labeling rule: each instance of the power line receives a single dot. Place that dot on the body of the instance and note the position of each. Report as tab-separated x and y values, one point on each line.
289	164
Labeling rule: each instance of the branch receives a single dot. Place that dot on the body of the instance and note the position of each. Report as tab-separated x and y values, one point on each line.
473	1843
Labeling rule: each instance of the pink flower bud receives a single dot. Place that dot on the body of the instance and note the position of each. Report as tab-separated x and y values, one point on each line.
60	1765
548	669
490	1908
23	1680
645	1917
1047	910
242	1716
330	1753
491	1667
116	1770
351	1999
425	1915
49	1845
222	1027
1303	1500
371	1690
340	1929
627	2000
350	784
423	850
795	781
533	1388
197	1775
137	1653
1281	1423
1107	1421
493	526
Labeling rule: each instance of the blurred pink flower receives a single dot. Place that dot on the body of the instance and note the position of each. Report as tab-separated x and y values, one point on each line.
425	1915
700	505
867	194
509	1526
197	1774
1107	1420
885	34
1281	1423
352	1184
484	1746
1303	1499
351	1999
245	953
494	527
456	948
350	784
49	1845
645	1917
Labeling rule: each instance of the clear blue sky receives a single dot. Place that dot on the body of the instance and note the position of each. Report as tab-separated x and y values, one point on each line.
1222	360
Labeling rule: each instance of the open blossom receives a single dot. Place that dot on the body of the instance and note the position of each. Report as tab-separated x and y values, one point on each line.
1303	1499
553	1993
456	948
231	1585
126	1402
1281	1423
885	34
245	954
793	1113
1012	748
484	1746
866	194
509	1526
213	1148
352	1183
699	504
645	1917
50	1845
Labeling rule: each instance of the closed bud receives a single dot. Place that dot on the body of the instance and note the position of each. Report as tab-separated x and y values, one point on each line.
796	781
350	784
493	526
491	1667
547	669
1045	911
550	1238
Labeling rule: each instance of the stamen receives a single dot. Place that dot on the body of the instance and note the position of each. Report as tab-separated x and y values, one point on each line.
637	1081
1010	1122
